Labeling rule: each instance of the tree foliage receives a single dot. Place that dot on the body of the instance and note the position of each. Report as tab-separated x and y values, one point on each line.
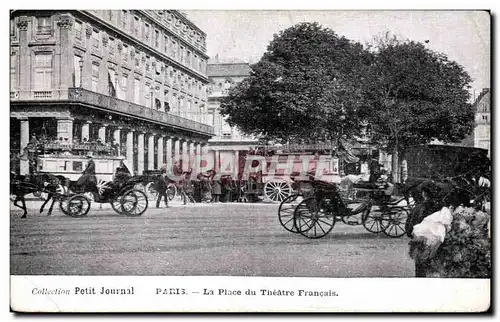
309	76
415	95
300	87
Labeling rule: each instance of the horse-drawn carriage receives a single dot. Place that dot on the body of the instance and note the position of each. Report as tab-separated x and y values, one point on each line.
270	173
458	175
57	174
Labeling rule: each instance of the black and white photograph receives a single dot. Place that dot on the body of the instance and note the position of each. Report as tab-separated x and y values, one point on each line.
174	160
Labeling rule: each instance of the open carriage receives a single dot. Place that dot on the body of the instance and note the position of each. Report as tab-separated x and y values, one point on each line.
314	212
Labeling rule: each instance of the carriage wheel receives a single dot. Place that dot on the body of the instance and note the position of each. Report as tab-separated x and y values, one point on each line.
313	218
277	191
394	222
134	202
171	191
372	221
75	206
285	213
151	191
116	205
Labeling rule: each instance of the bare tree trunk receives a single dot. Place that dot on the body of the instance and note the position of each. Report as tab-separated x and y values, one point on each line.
395	163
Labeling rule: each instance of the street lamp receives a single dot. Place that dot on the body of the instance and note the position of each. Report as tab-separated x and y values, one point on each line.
342	119
80	63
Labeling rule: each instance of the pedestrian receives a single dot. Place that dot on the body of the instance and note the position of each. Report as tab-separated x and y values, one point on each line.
430	204
217	190
188	190
161	188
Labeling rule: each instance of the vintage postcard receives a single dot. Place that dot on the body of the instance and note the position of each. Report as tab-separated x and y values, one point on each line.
166	160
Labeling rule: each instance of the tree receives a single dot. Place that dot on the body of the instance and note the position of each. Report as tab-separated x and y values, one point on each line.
300	87
415	95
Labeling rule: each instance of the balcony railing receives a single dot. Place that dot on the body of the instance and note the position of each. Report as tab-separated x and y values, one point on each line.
114	104
42	94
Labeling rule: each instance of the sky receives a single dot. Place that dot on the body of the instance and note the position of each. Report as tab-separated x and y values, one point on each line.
464	36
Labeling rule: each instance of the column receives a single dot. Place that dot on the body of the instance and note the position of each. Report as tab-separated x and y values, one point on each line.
65	128
130	149
24	24
25	138
116	137
177	146
65	51
102	133
217	160
236	163
185	156
140	153
169	153
159	156
151	151
86	131
192	156
198	157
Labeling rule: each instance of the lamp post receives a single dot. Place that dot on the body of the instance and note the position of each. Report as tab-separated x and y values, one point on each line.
342	119
80	64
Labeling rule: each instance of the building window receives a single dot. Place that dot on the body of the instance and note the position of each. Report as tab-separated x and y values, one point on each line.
188	58
12	28
43	25
136	26
157	104
111	46
146	31
125	53
174	49
78	29
165	40
43	71
13	64
124	18
137	91
95	77
181	54
78	71
195	62
157	38
95	39
111	15
123	83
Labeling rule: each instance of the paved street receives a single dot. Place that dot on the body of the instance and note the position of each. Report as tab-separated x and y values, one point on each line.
205	239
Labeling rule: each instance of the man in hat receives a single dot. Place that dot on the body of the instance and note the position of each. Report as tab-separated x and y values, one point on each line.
161	188
88	177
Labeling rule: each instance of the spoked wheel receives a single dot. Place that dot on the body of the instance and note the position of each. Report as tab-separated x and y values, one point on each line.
313	218
75	206
151	191
277	191
116	205
171	191
372	220
394	222
285	213
134	202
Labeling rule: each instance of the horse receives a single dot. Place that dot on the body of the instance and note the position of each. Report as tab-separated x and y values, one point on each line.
21	185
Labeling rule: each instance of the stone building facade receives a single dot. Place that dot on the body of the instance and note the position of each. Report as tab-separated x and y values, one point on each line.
228	142
135	77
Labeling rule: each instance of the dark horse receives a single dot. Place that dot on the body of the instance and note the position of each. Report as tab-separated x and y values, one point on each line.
21	185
